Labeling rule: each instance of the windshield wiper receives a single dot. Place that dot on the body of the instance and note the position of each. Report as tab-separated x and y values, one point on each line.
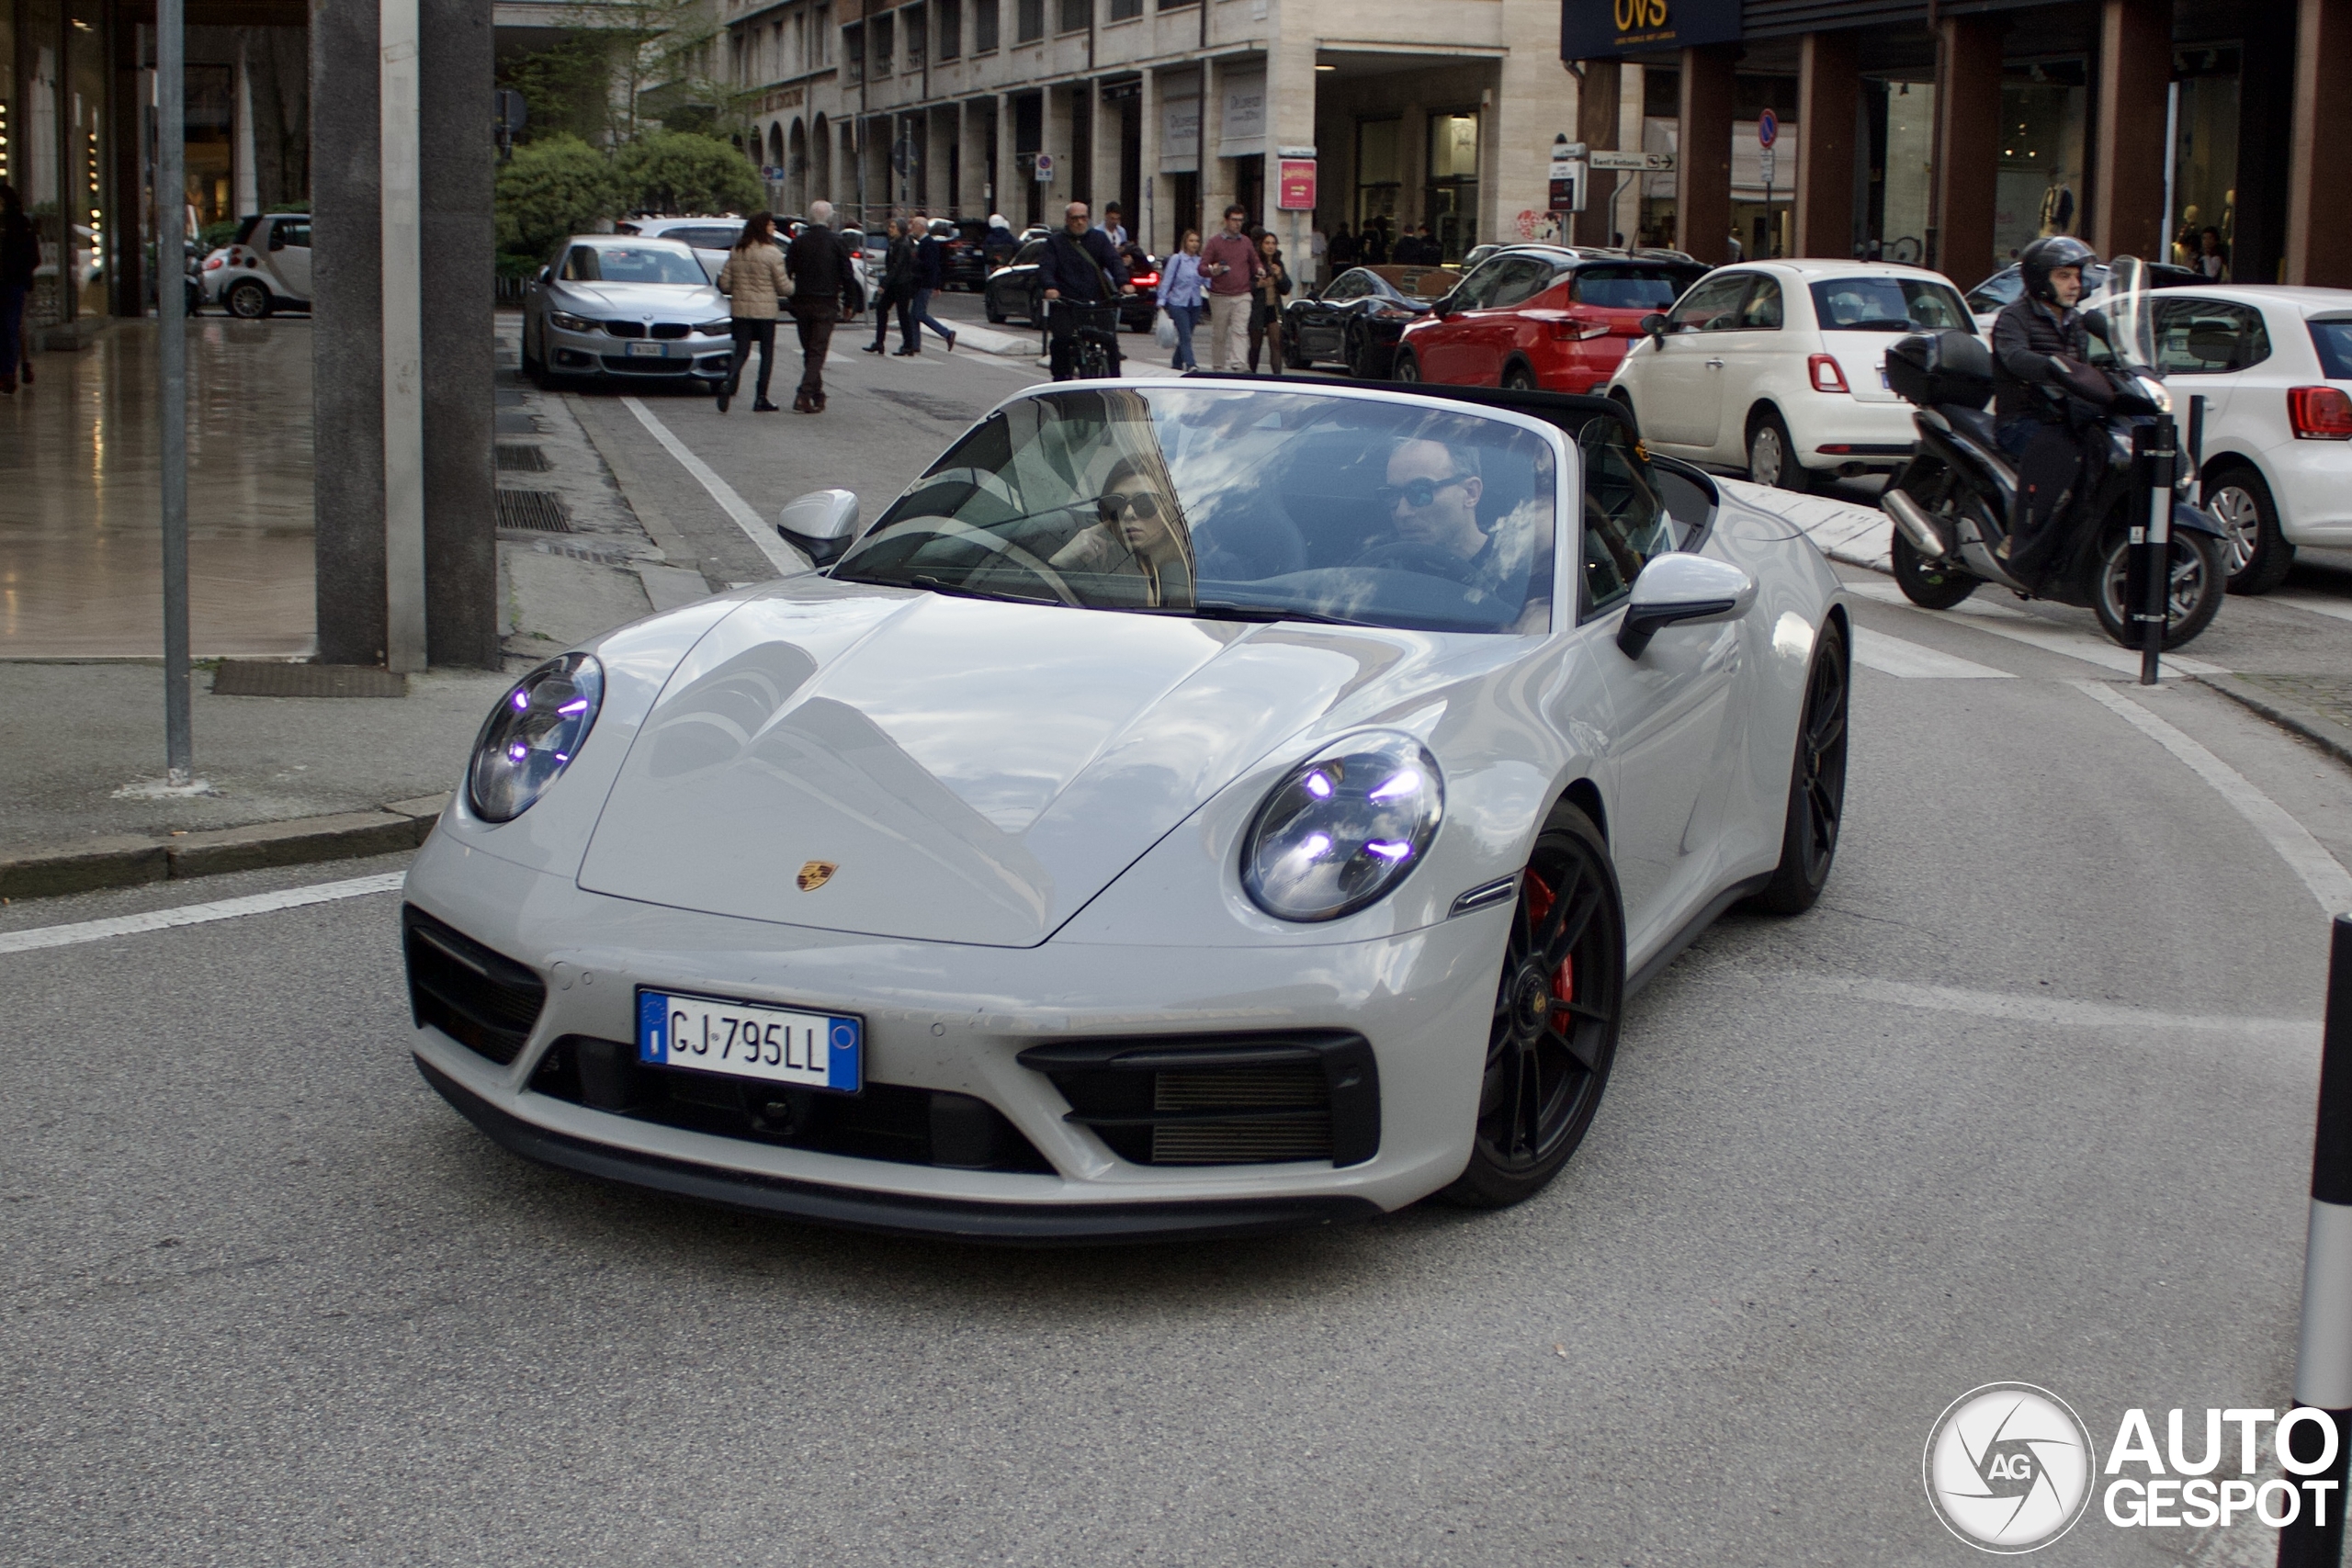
1220	611
959	591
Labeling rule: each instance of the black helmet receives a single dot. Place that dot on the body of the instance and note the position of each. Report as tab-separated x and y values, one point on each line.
2046	256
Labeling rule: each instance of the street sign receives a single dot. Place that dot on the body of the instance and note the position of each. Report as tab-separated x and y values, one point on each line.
1768	127
1647	163
1765	158
1295	189
1045	168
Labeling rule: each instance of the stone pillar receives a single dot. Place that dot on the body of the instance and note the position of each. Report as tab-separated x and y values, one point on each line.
1828	90
1702	168
1150	222
2319	218
1290	122
458	172
2127	194
1600	114
1006	172
1216	174
1055	131
1968	130
2266	145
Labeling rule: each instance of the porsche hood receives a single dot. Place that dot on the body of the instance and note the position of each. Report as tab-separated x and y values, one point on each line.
971	771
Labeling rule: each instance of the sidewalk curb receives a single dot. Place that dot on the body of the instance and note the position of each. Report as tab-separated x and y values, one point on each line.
2310	722
128	861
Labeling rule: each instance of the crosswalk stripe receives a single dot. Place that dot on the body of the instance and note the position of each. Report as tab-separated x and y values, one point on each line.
1913	661
39	937
2035	632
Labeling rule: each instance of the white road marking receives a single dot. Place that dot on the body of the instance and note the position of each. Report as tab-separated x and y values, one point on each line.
2305	856
1912	661
764	537
2035	632
198	914
2339	608
2013	1007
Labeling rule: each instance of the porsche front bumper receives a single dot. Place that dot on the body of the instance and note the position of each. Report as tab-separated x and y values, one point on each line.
954	1022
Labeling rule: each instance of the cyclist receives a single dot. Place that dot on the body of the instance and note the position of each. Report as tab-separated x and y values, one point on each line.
1081	267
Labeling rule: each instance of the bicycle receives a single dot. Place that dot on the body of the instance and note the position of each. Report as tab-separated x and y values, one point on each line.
1092	333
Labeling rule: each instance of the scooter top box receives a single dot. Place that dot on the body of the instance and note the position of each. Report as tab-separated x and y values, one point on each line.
1954	367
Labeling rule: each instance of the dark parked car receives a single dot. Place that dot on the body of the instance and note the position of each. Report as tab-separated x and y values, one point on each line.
1013	292
1357	318
967	241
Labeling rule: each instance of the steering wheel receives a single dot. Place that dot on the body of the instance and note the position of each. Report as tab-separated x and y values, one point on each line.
1013	554
1406	554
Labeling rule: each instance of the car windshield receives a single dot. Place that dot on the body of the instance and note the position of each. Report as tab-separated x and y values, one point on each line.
1628	288
637	264
1234	505
1888	305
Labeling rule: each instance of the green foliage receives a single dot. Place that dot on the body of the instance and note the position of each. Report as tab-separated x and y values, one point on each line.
567	88
556	185
213	236
669	171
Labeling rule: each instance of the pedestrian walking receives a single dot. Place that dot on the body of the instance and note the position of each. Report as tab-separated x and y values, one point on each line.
756	286
1113	224
898	287
19	258
1342	250
823	284
1181	290
1266	304
1230	262
931	277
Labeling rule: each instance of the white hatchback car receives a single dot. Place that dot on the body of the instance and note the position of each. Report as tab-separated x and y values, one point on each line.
710	238
1780	368
2274	365
266	268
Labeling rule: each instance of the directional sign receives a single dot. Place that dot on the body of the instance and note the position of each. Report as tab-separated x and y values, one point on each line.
1768	127
1647	163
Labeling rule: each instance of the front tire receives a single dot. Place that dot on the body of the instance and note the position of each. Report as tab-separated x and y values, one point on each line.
248	301
1407	368
2195	567
1816	806
1926	583
2254	552
1557	1006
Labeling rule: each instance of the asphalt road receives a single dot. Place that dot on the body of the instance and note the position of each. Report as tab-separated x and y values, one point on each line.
2028	1095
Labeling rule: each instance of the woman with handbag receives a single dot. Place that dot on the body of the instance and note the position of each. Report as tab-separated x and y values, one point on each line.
1266	305
1182	290
756	286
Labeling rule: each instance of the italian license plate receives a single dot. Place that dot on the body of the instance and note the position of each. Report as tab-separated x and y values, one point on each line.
1884	384
748	1040
647	350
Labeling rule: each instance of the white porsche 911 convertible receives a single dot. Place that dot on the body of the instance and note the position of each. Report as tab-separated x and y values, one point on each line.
1192	807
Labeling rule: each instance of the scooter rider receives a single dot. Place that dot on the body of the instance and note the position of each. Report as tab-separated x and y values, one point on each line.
2040	384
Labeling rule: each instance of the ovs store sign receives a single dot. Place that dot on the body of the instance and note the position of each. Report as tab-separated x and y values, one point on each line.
1598	30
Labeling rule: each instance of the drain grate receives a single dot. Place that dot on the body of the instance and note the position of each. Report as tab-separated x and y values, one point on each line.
261	678
516	458
533	512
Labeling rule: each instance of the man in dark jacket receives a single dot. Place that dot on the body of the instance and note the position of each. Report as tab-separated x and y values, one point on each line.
19	259
931	277
1079	267
822	277
2039	350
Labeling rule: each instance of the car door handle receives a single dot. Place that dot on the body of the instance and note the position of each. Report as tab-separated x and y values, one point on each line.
1714	364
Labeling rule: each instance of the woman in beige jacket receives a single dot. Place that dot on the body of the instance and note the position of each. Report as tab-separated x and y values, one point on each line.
756	287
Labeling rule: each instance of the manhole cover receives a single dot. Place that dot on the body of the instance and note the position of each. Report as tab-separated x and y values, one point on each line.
533	512
516	459
261	678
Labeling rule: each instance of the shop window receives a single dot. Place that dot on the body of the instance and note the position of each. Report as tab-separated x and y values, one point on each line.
1453	182
2038	188
1380	176
1902	123
2205	160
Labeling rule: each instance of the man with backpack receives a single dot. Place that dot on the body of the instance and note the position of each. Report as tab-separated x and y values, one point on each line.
1080	268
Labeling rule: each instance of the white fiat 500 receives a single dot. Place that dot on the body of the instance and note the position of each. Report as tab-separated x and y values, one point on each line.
2274	365
1189	809
1780	368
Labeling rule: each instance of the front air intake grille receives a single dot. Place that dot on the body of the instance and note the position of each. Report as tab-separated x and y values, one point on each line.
626	329
1228	1100
670	329
479	999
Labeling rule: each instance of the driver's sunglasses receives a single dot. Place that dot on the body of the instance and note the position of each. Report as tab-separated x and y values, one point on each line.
1112	506
1415	493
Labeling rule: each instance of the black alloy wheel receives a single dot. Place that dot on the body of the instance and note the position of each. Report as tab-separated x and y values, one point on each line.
1558	1009
1816	786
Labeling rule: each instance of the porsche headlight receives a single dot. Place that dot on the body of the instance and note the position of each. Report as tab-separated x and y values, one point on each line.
1344	828
532	736
570	323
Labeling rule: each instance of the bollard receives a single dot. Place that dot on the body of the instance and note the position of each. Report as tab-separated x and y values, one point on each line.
2150	587
2323	1356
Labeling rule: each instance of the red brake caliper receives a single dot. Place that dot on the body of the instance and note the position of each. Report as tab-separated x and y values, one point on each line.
1539	905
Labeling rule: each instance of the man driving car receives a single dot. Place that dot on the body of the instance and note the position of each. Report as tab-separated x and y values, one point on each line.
1432	500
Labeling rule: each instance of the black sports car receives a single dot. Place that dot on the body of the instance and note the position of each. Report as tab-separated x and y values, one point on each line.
1359	317
1013	291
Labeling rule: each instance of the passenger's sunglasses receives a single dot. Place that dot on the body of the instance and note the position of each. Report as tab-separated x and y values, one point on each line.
1415	493
1111	507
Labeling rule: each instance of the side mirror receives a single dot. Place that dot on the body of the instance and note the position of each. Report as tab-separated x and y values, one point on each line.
2094	323
820	524
1441	306
1679	589
547	275
1654	324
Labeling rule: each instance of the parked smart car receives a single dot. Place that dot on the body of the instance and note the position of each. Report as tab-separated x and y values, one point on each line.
1358	318
625	308
1780	368
1541	316
266	267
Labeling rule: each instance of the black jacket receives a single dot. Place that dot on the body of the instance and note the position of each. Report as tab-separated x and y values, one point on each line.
899	271
818	264
2026	335
19	252
931	263
1065	266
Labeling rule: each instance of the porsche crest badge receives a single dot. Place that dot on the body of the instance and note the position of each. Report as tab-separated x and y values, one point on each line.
815	875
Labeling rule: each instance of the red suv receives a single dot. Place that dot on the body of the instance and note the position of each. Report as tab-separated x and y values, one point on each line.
1541	316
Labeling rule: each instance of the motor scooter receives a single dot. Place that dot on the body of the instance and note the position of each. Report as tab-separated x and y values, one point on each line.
1958	501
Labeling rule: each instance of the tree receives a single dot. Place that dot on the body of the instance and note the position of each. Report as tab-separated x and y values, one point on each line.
669	171
554	187
566	88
